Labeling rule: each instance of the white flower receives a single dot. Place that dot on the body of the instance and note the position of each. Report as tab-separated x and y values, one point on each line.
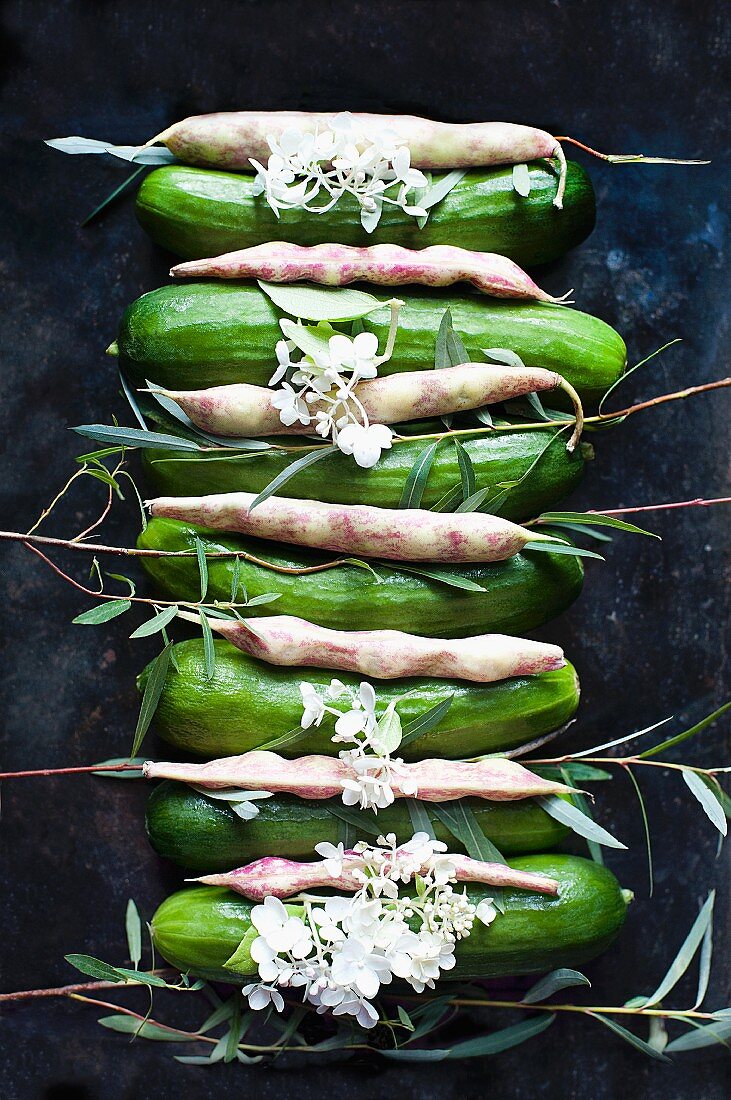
282	351
365	444
403	171
314	707
261	995
291	406
279	930
361	719
332	856
486	911
356	356
355	966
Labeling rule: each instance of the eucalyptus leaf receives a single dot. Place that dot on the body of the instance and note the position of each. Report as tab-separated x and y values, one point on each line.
154	154
505	356
558	979
405	1018
130	1025
562	548
154	981
711	806
498	1041
443	576
209	652
102	613
415	1054
441	354
699	1037
289	472
440	188
466	470
134	437
594	519
582	529
132	401
119	190
94	968
426	721
629	1037
460	819
156	623
678	739
419	816
319	303
363	820
417	477
151	696
133	927
646	828
632	370
200	553
263	598
569	815
473	502
686	954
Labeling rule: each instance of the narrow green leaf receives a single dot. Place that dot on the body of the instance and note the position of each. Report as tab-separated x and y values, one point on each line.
130	1025
680	737
590	519
711	805
699	1037
420	820
134	437
151	697
115	194
320	303
632	370
235	581
456	349
558	979
156	623
417	477
220	1015
434	573
200	552
133	927
582	529
131	399
460	819
440	188
93	968
289	472
264	598
363	820
562	548
646	827
704	965
498	1041
414	1054
629	1037
209	652
287	739
473	502
441	354
686	954
584	773
152	980
569	815
102	613
583	806
426	721
405	1018
466	470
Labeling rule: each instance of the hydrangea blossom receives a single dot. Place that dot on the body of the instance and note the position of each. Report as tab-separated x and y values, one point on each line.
312	171
318	389
345	948
372	768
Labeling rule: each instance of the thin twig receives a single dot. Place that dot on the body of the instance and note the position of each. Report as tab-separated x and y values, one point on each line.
79	987
698	502
80	770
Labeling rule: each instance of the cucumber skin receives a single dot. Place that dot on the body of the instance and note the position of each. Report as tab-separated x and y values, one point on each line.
521	593
247	703
197	212
496	458
195	335
204	835
198	929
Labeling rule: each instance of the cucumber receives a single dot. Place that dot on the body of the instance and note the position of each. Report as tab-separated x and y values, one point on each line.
195	335
519	594
205	835
497	457
198	929
248	703
195	213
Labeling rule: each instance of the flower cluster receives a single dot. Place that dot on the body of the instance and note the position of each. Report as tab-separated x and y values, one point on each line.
342	950
311	171
319	388
371	764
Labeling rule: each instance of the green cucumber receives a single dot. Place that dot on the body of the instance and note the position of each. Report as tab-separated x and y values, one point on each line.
205	835
248	703
519	594
195	212
195	335
496	458
199	929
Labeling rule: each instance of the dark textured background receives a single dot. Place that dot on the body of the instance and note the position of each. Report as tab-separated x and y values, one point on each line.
647	633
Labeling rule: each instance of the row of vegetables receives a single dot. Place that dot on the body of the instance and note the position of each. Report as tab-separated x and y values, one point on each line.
407	647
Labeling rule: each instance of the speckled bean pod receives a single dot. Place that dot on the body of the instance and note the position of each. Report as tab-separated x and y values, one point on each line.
402	534
381	264
273	876
316	777
389	654
244	410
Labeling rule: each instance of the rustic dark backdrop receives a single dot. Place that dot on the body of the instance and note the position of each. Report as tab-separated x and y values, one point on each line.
647	634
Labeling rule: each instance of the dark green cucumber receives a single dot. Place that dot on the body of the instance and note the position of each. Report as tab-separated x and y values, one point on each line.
496	458
205	835
248	703
199	929
195	212
519	594
190	336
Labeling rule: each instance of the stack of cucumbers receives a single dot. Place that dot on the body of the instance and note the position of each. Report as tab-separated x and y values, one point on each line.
220	701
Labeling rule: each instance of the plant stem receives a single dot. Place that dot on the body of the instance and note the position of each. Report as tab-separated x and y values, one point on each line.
80	987
698	502
587	1009
81	770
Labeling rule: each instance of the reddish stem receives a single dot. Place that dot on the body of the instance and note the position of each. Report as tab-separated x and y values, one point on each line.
71	771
